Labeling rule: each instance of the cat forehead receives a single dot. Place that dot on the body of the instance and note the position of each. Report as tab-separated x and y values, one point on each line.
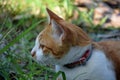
44	33
44	36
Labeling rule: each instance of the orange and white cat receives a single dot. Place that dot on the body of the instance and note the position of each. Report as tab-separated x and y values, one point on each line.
73	52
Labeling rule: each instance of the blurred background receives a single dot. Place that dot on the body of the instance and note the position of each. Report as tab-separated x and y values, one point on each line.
22	20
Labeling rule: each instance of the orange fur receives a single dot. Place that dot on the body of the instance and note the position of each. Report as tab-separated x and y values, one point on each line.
79	37
50	44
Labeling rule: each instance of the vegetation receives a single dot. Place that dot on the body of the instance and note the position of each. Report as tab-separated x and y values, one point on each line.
20	22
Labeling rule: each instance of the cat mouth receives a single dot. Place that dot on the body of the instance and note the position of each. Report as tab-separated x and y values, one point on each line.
33	54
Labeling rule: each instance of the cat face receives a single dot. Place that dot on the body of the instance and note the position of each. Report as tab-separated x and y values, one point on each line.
48	48
56	40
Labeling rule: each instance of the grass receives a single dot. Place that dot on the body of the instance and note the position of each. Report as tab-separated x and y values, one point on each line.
16	61
15	55
20	23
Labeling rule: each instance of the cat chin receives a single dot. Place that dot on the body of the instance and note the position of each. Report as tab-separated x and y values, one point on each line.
43	59
47	60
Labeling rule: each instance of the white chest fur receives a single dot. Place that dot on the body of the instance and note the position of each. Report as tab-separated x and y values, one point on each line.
97	68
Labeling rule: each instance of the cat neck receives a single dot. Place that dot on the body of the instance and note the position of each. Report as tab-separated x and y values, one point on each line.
74	54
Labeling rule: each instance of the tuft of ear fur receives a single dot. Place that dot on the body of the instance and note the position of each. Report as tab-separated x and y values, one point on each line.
57	31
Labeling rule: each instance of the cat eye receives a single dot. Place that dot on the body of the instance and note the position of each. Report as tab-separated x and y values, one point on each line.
41	46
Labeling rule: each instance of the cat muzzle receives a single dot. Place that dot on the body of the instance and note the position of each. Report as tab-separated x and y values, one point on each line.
33	54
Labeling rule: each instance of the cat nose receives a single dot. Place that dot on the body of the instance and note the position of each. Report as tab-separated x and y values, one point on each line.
33	53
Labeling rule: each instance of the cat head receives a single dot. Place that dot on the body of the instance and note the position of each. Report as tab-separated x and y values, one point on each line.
56	40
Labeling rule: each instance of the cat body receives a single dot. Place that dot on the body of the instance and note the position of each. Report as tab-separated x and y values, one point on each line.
62	43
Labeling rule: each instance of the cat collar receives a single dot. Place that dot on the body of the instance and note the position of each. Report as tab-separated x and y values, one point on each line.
82	61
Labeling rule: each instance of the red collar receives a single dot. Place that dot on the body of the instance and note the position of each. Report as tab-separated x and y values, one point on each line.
81	61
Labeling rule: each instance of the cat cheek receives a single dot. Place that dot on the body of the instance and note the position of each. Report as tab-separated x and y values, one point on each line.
39	54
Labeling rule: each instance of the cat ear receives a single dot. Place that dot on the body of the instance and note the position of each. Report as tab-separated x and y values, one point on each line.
57	31
52	16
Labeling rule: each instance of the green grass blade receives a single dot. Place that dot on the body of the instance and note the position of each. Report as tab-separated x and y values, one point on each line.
59	73
103	20
20	36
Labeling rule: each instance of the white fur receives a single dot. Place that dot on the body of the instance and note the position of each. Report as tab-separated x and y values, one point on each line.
98	67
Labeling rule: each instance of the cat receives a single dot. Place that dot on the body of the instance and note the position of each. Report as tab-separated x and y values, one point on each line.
72	51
